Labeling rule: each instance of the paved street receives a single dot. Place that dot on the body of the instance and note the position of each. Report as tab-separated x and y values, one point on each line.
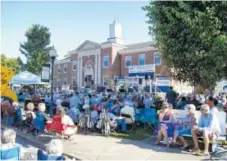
30	151
90	147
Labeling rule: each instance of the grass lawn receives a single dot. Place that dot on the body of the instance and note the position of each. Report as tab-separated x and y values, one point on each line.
139	134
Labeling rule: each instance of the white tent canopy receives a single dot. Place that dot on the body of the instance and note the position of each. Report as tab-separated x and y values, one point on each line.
26	78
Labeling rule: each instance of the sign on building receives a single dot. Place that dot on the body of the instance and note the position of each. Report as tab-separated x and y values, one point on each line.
141	70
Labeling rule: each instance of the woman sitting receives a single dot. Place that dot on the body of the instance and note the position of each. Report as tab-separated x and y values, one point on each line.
54	151
8	142
69	128
166	128
188	122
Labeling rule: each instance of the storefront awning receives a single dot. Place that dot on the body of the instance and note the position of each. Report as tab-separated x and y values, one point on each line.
149	74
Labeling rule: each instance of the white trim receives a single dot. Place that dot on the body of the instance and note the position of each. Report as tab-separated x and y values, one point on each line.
99	68
111	44
89	52
128	56
104	63
64	61
132	51
96	45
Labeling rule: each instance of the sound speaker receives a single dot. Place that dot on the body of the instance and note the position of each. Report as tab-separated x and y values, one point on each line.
140	80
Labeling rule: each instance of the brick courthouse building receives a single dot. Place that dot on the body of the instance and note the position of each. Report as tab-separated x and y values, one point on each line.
98	64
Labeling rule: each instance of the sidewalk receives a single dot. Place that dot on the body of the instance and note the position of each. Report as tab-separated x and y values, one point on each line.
91	147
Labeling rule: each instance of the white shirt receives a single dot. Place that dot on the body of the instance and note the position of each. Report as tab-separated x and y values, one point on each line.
66	120
214	110
128	110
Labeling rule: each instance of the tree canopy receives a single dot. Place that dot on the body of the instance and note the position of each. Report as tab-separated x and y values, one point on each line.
11	63
36	48
192	37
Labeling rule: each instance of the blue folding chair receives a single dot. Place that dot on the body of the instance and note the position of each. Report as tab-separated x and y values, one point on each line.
39	123
10	154
43	156
150	118
10	120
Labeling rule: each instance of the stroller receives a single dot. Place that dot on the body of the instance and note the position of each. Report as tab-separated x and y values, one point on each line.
105	124
85	120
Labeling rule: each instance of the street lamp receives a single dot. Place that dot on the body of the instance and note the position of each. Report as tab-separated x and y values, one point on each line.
53	54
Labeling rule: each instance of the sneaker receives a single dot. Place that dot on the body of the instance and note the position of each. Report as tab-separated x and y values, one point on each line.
202	153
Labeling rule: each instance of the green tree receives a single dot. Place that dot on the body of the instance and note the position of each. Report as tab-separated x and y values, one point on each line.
11	63
192	37
36	48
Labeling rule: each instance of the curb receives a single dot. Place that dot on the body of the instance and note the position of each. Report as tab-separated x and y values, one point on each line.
41	145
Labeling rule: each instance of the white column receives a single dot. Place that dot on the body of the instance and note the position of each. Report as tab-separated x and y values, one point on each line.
99	68
96	69
81	70
77	73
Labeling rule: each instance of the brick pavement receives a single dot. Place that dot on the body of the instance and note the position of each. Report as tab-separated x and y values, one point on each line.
93	147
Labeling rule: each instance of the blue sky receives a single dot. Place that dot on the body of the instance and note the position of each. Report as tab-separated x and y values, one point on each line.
71	23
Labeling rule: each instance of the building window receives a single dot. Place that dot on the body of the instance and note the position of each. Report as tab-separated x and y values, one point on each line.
157	60
74	65
105	61
74	81
65	68
59	68
58	82
105	80
65	81
128	61
141	59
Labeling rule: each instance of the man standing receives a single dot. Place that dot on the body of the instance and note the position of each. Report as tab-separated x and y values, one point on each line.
171	97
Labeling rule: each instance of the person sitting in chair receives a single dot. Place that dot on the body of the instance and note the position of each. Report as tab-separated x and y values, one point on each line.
69	128
129	111
188	122
54	151
166	128
208	127
8	142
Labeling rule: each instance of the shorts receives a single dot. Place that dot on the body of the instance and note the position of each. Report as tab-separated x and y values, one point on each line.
211	134
183	131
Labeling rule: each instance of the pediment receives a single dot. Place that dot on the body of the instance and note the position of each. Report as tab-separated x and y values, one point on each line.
88	45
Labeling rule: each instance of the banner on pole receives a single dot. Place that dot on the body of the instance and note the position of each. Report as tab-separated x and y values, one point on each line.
45	76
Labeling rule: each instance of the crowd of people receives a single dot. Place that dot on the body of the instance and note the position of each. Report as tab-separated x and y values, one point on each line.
71	109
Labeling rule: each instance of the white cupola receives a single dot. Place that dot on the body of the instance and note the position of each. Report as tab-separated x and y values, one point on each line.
115	33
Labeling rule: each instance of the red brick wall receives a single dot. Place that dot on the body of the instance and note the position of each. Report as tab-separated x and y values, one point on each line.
149	59
106	71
